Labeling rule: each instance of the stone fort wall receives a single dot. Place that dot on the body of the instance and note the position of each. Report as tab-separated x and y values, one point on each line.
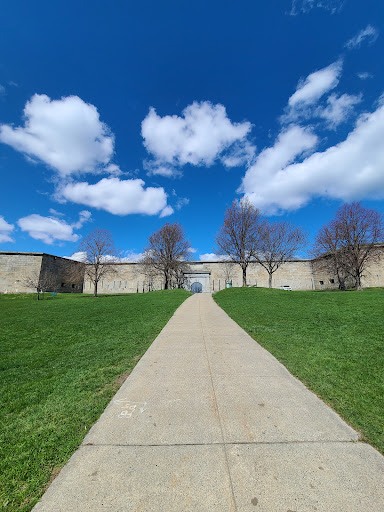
129	278
65	275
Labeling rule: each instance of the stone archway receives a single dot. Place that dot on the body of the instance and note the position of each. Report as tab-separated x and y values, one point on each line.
196	287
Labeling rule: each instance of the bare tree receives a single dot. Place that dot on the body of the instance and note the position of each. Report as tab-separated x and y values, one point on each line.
46	282
278	243
166	254
328	253
238	236
227	269
99	254
350	240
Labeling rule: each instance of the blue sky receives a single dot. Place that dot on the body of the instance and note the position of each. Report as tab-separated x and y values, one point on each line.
126	115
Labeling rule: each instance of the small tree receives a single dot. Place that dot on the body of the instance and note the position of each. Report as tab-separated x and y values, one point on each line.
40	282
328	253
99	254
227	269
238	236
166	254
278	243
350	241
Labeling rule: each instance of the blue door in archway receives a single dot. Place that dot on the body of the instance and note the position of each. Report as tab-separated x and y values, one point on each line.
196	288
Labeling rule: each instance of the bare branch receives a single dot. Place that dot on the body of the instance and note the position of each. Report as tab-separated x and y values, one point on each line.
278	243
238	236
166	255
347	244
99	255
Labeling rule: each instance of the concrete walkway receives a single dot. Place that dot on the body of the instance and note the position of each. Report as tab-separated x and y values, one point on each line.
210	421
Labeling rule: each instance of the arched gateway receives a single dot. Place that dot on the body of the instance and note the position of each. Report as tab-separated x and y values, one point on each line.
196	288
201	279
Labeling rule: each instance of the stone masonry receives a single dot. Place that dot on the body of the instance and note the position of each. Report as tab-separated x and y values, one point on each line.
69	275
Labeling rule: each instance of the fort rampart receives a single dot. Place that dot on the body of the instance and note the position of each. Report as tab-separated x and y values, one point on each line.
66	275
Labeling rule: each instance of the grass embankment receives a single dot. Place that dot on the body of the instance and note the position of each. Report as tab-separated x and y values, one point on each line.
61	361
332	341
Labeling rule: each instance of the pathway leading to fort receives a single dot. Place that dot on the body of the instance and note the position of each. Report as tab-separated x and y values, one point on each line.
210	421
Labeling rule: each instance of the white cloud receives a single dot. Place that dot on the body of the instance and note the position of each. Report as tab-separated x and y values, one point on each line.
369	33
351	170
66	134
201	136
2	90
160	169
338	109
192	250
119	197
5	230
180	202
211	256
166	212
113	170
78	256
364	75
131	256
290	144
56	213
316	84
84	216
304	6
47	229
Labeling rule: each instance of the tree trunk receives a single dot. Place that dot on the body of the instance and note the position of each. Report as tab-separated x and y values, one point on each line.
358	284
270	280
95	289
244	276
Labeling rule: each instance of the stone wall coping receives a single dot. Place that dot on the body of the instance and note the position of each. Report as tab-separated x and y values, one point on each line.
17	253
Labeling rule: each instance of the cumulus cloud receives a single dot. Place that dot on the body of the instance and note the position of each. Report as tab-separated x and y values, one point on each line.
338	109
119	197
290	144
47	229
129	257
304	6
78	256
166	212
211	256
316	84
369	34
132	257
84	216
5	230
65	134
200	136
351	170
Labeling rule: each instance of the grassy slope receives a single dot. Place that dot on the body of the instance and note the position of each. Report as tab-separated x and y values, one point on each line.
333	342
60	363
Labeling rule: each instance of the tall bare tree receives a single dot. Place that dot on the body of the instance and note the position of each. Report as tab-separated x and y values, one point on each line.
99	254
166	254
278	243
351	239
238	236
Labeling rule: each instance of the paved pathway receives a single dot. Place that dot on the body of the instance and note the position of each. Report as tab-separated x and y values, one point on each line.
210	421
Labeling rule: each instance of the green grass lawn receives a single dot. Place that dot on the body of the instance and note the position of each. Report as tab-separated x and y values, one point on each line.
61	361
332	341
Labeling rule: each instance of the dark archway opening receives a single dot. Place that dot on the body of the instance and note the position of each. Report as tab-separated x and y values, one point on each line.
196	288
